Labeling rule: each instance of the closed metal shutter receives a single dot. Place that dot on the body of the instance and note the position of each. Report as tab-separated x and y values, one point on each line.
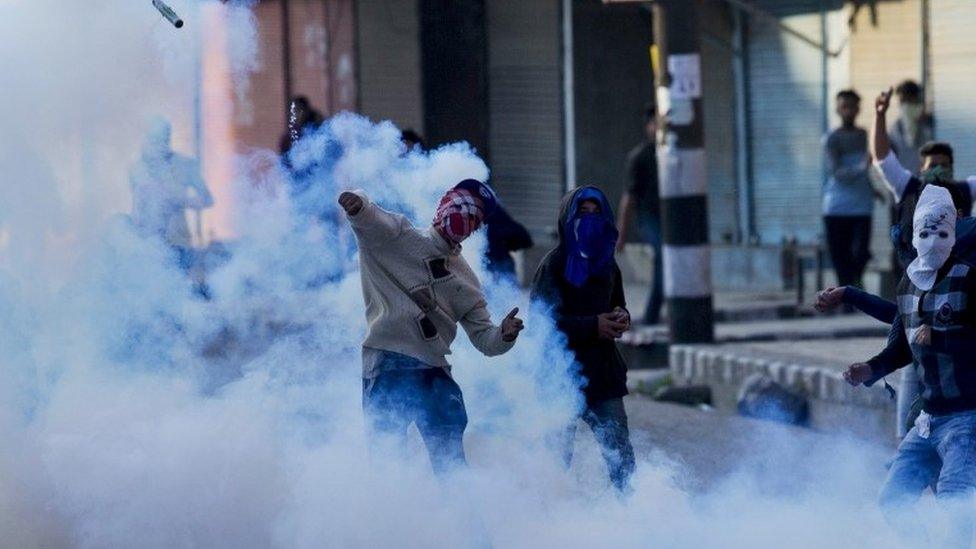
953	54
526	106
717	83
881	56
786	117
389	62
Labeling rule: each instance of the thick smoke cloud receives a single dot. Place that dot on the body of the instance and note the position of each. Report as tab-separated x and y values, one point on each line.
135	413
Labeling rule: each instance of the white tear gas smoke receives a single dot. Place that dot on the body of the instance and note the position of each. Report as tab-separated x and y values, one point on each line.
135	413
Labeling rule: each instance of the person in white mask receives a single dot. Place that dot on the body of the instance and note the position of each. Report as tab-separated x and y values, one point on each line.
912	129
937	310
164	184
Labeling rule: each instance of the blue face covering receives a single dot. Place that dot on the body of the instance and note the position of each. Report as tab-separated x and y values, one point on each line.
590	238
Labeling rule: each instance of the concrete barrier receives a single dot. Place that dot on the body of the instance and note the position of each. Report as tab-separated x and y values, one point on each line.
834	405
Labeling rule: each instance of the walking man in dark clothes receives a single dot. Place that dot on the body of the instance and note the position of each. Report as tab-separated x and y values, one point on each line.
580	283
848	197
936	309
641	196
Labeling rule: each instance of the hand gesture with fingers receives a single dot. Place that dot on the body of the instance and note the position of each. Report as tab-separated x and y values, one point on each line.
511	326
883	101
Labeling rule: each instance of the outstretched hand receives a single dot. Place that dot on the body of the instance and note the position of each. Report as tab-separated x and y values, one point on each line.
857	373
511	326
829	299
350	202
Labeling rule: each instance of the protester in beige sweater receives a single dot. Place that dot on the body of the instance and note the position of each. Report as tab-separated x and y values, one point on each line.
417	288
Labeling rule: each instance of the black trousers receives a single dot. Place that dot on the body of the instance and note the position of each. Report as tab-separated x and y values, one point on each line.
849	244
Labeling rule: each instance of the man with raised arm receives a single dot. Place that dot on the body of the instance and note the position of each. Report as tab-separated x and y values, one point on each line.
417	287
936	169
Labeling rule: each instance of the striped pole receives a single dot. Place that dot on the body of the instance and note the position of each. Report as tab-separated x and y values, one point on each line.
681	165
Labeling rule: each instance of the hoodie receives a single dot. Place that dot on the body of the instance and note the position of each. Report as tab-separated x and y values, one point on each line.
575	312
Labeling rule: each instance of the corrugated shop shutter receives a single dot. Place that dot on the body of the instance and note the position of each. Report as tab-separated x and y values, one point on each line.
526	109
881	56
389	62
717	82
785	114
953	54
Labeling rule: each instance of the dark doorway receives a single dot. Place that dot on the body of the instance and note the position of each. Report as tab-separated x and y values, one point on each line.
454	57
612	81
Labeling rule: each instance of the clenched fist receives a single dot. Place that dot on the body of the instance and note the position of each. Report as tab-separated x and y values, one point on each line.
350	202
857	374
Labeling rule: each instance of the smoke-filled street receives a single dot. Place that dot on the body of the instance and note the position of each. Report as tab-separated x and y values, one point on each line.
487	273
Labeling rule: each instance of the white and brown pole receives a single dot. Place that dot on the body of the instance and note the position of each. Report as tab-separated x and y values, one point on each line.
681	165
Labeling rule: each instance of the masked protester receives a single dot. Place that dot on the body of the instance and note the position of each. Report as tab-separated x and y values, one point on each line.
913	127
164	184
580	284
417	289
937	310
936	169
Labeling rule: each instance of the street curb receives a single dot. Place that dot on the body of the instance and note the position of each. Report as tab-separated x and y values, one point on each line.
708	364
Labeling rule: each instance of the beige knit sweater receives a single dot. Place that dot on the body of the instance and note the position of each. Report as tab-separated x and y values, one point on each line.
421	261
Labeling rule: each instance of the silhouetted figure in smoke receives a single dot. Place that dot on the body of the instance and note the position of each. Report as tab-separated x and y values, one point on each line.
308	162
302	119
164	185
418	288
505	235
412	140
581	284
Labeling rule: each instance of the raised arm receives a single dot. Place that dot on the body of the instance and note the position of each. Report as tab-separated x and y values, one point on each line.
880	144
372	224
895	175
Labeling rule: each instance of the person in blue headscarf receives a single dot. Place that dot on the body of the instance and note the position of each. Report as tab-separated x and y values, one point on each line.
580	285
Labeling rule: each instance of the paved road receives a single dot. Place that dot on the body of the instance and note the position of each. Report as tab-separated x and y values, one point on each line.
711	447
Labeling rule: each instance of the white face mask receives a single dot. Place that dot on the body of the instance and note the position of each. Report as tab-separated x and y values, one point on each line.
934	234
911	112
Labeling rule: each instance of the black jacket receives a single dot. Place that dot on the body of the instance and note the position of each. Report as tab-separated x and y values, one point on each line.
505	235
575	311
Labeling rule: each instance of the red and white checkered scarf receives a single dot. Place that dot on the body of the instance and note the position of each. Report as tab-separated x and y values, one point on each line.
458	215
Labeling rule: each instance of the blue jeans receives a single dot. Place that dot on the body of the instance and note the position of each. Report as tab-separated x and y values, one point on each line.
428	397
649	227
947	456
608	421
